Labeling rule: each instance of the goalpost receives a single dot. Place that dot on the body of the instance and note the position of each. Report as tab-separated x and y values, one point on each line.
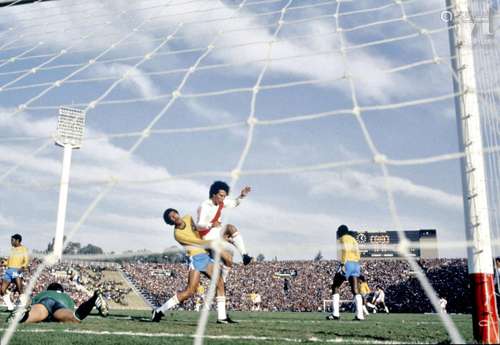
466	25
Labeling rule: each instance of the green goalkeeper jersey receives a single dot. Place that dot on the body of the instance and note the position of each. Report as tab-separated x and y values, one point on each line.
60	297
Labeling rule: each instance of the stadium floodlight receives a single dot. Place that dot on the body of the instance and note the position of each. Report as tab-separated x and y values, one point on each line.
477	220
70	131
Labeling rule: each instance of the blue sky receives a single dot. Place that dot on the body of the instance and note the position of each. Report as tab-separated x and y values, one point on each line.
289	215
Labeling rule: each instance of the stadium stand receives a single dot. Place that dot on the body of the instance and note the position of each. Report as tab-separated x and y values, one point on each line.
139	285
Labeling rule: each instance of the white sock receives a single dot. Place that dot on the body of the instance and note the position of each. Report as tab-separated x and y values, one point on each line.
238	243
358	300
172	302
386	309
23	300
336	305
221	307
225	272
8	302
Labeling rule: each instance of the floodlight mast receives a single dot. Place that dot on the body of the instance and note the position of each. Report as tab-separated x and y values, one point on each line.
70	131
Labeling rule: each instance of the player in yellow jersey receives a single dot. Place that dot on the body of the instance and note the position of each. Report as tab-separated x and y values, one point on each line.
256	299
349	270
199	262
16	264
364	290
200	296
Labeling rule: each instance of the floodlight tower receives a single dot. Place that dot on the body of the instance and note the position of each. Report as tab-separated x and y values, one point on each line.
70	130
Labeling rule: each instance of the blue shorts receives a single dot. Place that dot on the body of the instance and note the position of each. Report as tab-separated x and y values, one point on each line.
200	262
12	273
52	306
351	269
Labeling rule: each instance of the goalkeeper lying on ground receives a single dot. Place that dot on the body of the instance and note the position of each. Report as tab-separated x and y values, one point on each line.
54	305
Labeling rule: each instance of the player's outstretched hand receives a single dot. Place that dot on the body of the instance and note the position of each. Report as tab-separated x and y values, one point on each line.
245	191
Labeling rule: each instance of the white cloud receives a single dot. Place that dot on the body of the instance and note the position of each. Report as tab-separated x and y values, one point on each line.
93	26
5	221
363	186
275	231
19	125
365	67
136	80
212	114
99	161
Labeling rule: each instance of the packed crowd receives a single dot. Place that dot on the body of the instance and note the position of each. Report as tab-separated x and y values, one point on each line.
304	285
158	281
78	280
282	285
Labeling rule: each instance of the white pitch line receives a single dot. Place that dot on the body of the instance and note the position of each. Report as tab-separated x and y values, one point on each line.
346	321
220	337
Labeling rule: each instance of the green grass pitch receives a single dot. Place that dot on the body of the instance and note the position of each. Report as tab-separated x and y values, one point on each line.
254	328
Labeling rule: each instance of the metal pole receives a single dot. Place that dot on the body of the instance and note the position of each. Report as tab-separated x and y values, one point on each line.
477	222
63	201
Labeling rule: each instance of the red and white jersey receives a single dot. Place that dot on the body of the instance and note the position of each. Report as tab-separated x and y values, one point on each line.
209	213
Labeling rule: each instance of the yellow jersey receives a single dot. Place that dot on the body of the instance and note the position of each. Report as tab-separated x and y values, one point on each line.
189	238
364	289
349	250
200	290
18	258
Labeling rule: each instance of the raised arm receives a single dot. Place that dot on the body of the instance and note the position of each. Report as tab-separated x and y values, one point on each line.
230	203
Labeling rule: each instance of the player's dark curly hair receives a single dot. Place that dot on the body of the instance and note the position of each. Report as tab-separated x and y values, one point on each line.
342	230
217	186
166	213
17	237
55	287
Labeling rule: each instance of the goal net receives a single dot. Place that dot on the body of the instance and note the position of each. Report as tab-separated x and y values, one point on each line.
333	111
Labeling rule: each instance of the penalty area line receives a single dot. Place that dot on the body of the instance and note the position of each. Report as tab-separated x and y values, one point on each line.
220	337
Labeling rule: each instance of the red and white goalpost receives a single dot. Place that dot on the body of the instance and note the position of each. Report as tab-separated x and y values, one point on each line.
477	221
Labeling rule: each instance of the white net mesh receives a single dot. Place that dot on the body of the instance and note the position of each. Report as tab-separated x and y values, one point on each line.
333	111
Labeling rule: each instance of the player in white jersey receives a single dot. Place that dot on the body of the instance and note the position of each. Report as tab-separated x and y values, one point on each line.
378	300
210	223
442	303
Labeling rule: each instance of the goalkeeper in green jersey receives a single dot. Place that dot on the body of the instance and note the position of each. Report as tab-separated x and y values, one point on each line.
56	306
